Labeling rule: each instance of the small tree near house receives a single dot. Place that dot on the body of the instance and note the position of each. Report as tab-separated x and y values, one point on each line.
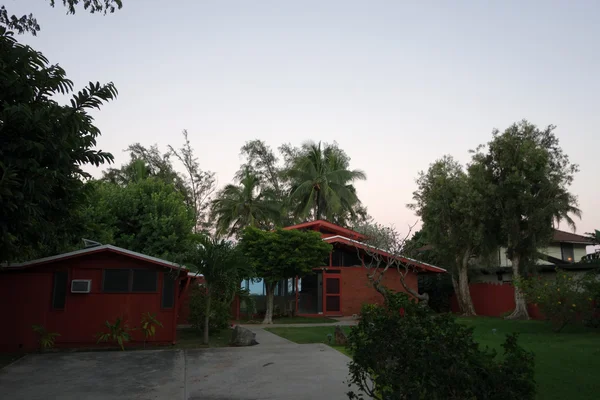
282	254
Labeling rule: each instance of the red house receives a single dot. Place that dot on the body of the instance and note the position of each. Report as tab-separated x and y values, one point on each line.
340	288
73	294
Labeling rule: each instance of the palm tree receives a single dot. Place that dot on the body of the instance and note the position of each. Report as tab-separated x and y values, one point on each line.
223	267
321	183
240	206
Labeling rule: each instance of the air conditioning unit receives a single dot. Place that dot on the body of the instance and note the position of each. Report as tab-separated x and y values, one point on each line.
81	285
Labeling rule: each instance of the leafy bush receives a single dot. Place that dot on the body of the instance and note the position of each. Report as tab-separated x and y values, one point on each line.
47	339
565	299
405	351
117	333
220	310
148	325
439	288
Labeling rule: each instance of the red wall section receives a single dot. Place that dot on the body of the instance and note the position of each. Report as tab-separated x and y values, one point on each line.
356	289
26	299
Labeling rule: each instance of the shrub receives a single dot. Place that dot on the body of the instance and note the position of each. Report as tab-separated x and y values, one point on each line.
46	339
405	351
117	333
148	325
564	299
220	310
439	288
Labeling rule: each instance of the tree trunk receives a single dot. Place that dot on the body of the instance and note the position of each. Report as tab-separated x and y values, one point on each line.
464	294
269	312
520	311
206	315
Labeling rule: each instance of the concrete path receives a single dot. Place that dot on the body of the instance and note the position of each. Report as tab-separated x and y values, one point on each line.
274	369
349	322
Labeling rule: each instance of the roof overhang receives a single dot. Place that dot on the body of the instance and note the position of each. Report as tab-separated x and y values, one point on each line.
409	261
326	225
107	248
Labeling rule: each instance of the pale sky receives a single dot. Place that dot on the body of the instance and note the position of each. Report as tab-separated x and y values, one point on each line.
396	84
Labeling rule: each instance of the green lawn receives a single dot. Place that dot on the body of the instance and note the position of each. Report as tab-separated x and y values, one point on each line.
567	364
292	320
190	338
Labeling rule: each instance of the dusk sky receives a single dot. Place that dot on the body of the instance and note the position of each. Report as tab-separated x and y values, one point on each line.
396	84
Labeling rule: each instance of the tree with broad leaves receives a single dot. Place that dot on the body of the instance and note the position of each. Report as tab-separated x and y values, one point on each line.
456	220
282	254
237	207
223	266
528	176
321	183
28	23
43	148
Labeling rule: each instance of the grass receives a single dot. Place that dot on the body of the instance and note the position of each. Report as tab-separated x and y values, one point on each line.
293	320
190	338
567	364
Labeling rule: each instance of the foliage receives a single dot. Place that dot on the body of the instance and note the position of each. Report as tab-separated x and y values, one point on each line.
564	299
456	220
119	333
282	254
404	351
148	325
44	147
27	23
248	204
148	216
261	162
321	185
199	185
439	289
528	177
219	314
47	339
223	267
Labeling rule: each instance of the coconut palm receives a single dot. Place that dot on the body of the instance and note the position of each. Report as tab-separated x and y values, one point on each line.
239	206
321	183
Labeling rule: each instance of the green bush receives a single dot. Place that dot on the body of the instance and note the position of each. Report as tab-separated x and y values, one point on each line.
220	311
439	288
563	300
405	351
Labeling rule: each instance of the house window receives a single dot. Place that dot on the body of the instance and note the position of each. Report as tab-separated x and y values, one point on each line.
116	280
345	258
567	251
59	292
168	292
129	280
144	280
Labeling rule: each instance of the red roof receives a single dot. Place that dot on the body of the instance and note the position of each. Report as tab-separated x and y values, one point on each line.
327	227
409	261
97	249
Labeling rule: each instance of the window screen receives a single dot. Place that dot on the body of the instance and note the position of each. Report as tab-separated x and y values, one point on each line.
116	280
59	293
144	280
168	290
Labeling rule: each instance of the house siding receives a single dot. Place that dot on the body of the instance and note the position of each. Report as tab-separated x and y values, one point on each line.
26	300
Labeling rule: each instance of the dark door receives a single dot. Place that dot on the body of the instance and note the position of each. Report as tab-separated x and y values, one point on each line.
333	303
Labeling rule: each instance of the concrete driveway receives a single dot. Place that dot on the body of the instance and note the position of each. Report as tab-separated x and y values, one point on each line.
276	371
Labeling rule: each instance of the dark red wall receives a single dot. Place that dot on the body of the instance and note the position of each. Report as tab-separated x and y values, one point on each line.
356	289
26	299
494	300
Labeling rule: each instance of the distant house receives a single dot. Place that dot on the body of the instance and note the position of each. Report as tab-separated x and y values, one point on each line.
565	252
338	287
74	293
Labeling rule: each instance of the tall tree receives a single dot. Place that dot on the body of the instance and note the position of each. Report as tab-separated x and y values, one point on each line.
28	23
262	162
455	221
282	254
237	207
148	216
322	183
200	184
223	267
43	148
529	177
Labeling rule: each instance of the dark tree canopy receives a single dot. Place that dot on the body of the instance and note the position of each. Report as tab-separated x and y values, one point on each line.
28	23
43	148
